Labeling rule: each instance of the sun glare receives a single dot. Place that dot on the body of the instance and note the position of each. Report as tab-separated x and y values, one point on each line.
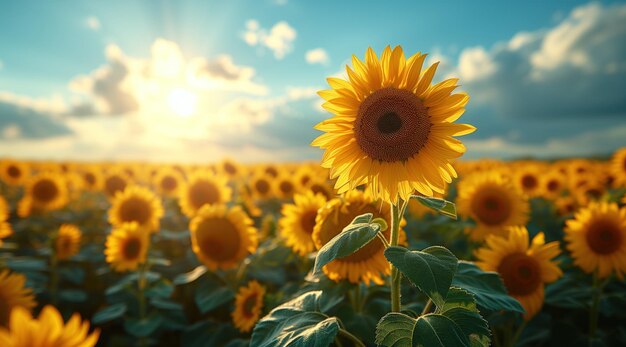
182	102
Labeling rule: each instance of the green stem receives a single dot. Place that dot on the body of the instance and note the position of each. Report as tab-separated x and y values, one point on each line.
54	278
595	304
518	333
427	308
141	284
351	337
395	274
382	239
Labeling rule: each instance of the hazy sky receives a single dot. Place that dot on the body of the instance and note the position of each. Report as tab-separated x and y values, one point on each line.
199	80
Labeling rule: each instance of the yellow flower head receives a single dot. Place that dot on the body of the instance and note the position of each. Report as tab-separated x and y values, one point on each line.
203	188
392	129
47	191
5	227
115	181
67	241
136	204
248	306
13	294
127	247
618	166
14	172
298	221
524	268
168	181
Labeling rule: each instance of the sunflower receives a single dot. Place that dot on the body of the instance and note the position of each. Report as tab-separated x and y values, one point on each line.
524	269
566	205
13	294
318	186
47	191
592	190
67	241
392	130
230	168
127	247
368	263
221	237
168	181
92	178
596	237
261	186
136	204
203	188
5	227
298	221
48	330
493	202
552	184
618	166
284	186
248	306
528	179
13	172
115	181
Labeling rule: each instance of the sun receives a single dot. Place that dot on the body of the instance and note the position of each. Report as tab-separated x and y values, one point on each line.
182	102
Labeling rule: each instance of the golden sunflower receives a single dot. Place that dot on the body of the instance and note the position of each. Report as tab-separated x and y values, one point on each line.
493	202
222	237
248	306
298	221
566	205
136	204
284	186
592	190
13	172
168	181
552	184
13	294
115	181
368	263
92	178
67	241
261	186
524	269
203	188
47	191
596	237
127	247
528	179
318	186
48	330
618	166
230	168
5	227
392	130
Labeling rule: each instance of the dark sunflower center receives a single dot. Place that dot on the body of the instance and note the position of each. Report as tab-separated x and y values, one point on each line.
529	182
320	189
286	187
305	179
169	183
65	244
90	178
249	304
4	312
45	191
218	239
14	171
262	186
114	184
624	164
604	237
392	125
521	273
553	186
132	248
492	207
307	221
202	193
135	210
270	170
230	168
593	193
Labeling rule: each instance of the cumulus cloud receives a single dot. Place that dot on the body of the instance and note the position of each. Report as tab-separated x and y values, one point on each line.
317	56
93	23
575	69
24	118
279	39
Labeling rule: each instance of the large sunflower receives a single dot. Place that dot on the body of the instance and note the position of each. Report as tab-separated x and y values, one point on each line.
596	237
115	181
368	263
203	188
168	181
127	247
298	221
222	237
47	191
13	293
136	204
527	177
13	172
67	241
248	306
524	268
48	330
493	202
392	129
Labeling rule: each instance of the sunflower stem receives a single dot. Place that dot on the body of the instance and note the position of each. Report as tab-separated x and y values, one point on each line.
141	284
518	333
351	337
396	276
427	307
595	304
54	277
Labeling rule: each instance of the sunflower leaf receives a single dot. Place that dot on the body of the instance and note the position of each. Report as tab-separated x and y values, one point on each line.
431	270
442	206
208	298
395	330
438	330
109	313
487	288
472	325
352	238
190	276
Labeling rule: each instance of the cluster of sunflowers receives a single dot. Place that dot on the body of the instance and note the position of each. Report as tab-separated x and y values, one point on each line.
224	254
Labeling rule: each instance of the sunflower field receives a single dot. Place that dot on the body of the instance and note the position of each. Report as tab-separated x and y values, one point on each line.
393	239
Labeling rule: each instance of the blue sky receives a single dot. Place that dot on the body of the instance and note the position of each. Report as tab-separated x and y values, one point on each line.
114	80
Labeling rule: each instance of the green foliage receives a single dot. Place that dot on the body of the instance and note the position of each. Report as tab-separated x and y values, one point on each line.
399	330
445	207
431	270
353	237
109	313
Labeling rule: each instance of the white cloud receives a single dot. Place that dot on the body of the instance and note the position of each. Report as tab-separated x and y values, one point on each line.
279	39
11	131
317	56
93	23
54	104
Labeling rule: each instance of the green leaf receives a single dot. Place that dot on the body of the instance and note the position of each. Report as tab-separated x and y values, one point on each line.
487	288
431	270
297	323
352	238
395	330
25	264
165	304
568	292
458	297
109	313
207	299
472	324
143	327
438	330
72	295
190	276
442	206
